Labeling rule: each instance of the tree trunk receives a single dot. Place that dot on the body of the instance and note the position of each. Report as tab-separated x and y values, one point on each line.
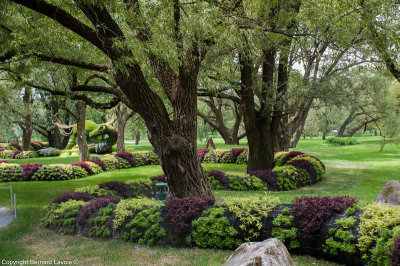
360	125
84	154
122	117
350	118
137	138
27	129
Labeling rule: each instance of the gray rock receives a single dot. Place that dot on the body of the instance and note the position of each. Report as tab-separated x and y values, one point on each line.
270	252
103	147
390	193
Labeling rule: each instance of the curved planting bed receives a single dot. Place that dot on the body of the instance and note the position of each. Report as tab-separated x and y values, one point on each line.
334	228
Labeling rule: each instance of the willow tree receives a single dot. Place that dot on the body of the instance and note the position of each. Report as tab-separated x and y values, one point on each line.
152	50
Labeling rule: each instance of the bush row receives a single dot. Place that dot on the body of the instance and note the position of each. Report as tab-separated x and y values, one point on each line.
334	228
341	141
18	154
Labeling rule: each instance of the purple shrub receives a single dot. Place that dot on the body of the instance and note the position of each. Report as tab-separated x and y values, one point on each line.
16	145
306	155
127	156
181	211
395	250
313	211
290	155
3	161
159	179
306	165
220	176
201	153
236	152
85	166
123	189
98	162
94	205
72	195
28	169
267	176
15	153
2	149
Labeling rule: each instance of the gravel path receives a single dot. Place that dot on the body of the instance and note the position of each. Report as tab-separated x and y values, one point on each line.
6	217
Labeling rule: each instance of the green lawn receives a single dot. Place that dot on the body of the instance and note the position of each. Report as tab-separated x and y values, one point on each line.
359	170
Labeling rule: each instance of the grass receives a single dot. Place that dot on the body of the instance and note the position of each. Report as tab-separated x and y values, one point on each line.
357	170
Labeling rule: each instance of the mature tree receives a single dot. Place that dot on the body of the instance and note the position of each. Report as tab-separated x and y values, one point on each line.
129	37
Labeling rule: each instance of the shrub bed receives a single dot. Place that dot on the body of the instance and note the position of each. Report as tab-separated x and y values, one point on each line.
340	141
334	228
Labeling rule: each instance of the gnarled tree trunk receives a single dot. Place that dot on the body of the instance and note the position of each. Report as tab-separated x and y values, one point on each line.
122	117
84	154
137	138
27	128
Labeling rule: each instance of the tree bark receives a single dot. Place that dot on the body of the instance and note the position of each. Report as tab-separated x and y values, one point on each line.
122	117
350	118
366	121
27	129
84	154
137	138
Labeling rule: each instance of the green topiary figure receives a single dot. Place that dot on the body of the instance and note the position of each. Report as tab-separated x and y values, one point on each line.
104	136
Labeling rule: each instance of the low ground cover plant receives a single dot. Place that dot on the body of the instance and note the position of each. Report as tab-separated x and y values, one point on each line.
341	141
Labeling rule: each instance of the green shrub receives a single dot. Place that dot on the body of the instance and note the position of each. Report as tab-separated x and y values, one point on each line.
236	183
215	184
141	187
338	141
222	156
288	177
210	157
374	223
100	224
49	152
26	155
278	157
110	162
243	157
250	212
122	163
145	228
212	230
284	230
54	172
79	172
95	191
95	167
7	154
341	237
10	172
127	208
63	216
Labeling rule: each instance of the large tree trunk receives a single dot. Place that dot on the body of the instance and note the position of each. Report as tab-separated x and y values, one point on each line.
350	118
363	123
300	124
122	117
137	138
84	154
27	129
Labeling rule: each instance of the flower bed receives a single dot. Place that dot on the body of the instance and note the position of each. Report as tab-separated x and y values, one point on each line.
337	229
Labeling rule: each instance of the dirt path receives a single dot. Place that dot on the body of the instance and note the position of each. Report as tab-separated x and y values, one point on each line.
6	217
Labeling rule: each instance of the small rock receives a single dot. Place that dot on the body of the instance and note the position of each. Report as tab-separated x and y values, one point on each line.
271	252
390	194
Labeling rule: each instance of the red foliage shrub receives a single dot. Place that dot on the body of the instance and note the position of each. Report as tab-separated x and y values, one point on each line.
236	152
14	153
98	162
28	169
290	155
395	250
159	179
127	156
306	165
16	145
220	176
306	155
123	189
72	195
94	205
276	150
267	175
2	149
181	211
85	166
201	153
3	161
313	211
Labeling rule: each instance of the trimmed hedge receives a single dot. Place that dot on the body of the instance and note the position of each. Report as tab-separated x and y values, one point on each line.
318	226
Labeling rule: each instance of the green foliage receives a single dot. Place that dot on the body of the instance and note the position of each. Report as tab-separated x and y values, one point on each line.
141	187
222	156
79	172
243	157
54	172
127	208
95	167
254	183
49	152
288	176
110	162
380	254
374	223
10	172
250	212
95	191
212	230
145	228
7	154
352	210
215	184
341	237
122	163
336	141
210	157
62	216
236	183
100	225
284	230
278	157
26	154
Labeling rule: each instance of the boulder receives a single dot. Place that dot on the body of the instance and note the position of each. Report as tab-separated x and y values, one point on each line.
271	252
390	194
